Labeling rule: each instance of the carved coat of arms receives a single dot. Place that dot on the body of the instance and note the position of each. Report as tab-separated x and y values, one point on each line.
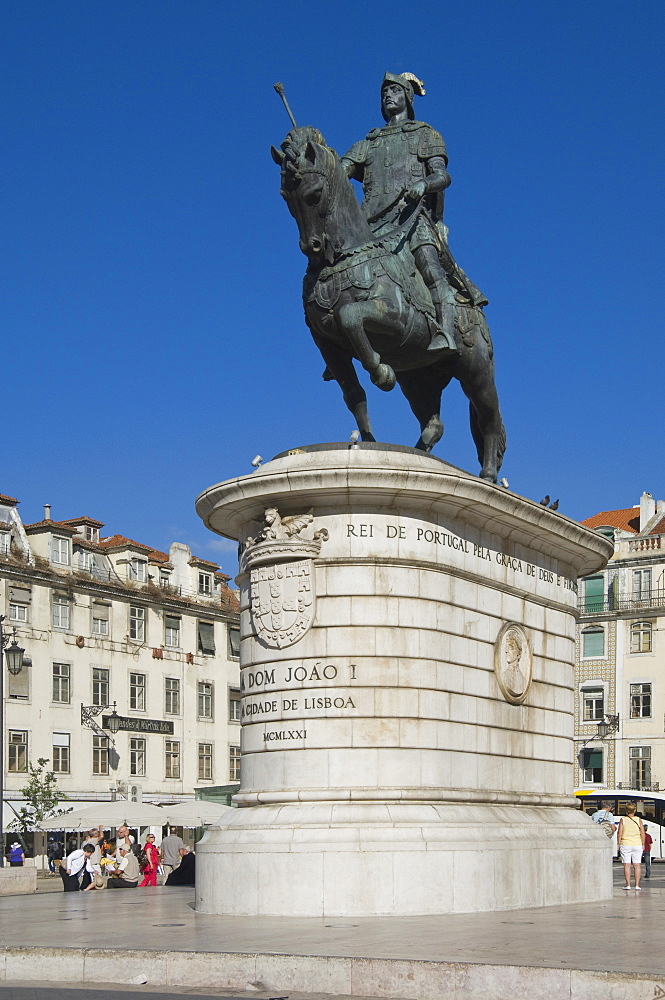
280	560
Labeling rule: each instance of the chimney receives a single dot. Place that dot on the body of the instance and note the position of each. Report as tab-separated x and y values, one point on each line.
647	509
47	511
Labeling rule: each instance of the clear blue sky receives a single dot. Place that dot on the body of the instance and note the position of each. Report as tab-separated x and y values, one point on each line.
150	317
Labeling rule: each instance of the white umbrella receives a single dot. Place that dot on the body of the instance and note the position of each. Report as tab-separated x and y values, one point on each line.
196	813
108	814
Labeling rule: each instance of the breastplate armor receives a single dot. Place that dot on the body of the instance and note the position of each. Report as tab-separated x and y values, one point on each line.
392	164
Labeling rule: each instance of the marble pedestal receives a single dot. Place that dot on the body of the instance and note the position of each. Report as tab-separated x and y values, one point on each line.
406	658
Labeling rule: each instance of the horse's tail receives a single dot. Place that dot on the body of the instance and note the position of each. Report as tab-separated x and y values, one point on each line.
479	438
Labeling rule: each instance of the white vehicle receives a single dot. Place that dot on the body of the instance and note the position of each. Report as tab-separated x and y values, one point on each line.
650	808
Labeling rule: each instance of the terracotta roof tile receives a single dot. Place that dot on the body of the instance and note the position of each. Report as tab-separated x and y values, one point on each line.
50	525
159	557
83	520
195	561
627	519
120	541
659	528
8	500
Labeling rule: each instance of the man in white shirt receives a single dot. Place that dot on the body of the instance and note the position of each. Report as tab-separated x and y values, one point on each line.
126	875
123	838
74	874
95	837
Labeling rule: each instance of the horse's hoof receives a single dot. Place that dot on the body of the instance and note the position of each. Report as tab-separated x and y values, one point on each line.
491	477
383	377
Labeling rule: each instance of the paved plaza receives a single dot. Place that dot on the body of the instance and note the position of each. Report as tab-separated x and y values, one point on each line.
582	952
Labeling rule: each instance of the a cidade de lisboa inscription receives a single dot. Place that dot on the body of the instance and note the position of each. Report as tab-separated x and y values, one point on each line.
282	595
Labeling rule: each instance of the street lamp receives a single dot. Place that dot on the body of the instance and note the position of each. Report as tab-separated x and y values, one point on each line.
608	726
113	721
14	656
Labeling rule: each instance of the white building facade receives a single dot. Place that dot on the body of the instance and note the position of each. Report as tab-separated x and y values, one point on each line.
621	654
109	621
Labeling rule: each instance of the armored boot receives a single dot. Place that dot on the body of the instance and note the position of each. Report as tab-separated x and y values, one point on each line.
444	307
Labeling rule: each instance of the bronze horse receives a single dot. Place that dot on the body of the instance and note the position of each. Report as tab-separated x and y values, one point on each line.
365	299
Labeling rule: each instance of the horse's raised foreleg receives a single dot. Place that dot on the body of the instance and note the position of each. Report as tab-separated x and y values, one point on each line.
339	363
352	319
423	390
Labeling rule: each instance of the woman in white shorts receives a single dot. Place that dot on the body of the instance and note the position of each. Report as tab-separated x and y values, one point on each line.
631	844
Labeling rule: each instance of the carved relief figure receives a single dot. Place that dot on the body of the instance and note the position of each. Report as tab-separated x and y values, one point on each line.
513	663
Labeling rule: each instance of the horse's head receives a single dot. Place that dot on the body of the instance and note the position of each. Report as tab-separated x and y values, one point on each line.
309	168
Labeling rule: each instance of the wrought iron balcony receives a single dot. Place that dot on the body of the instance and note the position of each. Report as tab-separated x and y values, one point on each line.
644	601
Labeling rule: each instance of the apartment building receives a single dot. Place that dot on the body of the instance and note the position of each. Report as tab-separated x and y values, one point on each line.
620	664
109	623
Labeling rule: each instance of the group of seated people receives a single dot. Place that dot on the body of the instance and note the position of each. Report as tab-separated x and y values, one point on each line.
101	863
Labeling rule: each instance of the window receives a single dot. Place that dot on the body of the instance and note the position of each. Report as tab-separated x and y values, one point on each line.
205	761
205	700
172	696
100	688
205	584
640	767
234	763
137	623
61	683
17	758
172	750
640	637
91	534
640	701
234	641
593	642
206	633
60	551
593	594
594	704
137	692
100	755
164	579
641	584
86	561
171	631
137	570
19	601
61	753
100	619
137	757
235	705
61	611
592	765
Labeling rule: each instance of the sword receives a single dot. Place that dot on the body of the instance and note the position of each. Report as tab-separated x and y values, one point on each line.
279	87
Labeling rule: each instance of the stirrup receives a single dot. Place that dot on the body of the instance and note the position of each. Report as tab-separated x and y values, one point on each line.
442	342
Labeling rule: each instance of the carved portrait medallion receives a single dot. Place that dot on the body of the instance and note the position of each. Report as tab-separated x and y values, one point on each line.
513	662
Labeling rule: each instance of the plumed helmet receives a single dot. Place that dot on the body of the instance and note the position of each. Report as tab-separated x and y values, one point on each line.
410	84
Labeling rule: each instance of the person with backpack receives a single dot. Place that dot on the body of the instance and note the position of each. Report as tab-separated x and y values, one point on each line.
149	870
648	843
605	815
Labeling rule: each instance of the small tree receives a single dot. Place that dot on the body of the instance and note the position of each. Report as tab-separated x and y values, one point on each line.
42	797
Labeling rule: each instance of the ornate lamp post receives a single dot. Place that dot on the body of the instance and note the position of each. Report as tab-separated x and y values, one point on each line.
12	653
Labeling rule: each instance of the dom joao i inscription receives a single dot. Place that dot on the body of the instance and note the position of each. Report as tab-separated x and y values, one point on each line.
280	560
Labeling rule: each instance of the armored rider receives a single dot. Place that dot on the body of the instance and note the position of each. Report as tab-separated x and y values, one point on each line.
403	171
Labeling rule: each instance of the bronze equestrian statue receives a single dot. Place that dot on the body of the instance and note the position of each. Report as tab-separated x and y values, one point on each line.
381	284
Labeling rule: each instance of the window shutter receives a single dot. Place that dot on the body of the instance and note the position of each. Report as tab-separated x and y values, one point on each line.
206	638
19	595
